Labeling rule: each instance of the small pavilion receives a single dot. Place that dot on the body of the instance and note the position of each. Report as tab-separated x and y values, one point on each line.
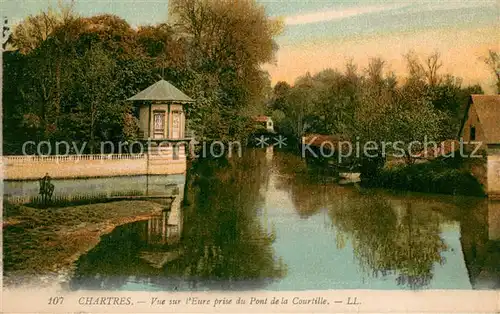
162	112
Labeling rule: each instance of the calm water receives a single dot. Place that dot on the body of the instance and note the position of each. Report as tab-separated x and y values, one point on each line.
70	189
264	222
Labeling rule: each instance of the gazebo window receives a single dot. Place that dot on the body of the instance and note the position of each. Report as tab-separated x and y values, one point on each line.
159	124
176	124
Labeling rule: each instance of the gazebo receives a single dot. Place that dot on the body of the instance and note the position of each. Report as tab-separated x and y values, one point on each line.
161	112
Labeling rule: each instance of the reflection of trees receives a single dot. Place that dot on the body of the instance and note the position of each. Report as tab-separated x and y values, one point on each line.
306	189
388	236
223	238
223	243
402	238
421	245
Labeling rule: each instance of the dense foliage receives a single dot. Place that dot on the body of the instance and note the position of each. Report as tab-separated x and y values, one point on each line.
68	77
434	177
375	105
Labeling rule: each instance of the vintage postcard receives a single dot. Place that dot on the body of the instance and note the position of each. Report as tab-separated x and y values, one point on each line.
250	156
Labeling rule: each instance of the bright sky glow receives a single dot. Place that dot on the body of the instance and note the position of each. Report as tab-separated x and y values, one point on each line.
319	34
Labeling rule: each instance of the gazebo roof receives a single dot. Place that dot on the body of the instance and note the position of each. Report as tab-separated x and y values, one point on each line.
162	91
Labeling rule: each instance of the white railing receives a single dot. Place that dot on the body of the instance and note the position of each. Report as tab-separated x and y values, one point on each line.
59	158
80	166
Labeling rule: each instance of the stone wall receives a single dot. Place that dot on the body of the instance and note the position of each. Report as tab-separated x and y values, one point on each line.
494	175
89	166
494	220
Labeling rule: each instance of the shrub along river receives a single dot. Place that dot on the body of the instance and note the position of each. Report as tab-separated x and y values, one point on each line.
264	221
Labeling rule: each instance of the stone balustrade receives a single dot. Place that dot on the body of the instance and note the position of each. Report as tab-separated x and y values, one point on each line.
163	162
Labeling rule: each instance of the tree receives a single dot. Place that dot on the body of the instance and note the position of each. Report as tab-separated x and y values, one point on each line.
493	62
413	123
433	64
280	94
301	101
78	74
451	99
229	41
388	114
416	80
42	43
427	72
93	81
159	43
35	29
214	55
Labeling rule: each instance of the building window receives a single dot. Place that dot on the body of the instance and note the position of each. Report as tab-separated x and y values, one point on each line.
159	125
472	133
176	124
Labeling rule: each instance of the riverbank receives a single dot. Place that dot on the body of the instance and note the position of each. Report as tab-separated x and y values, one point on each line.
453	176
42	243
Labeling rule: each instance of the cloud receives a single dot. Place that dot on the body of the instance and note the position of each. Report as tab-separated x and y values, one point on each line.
406	7
335	14
426	6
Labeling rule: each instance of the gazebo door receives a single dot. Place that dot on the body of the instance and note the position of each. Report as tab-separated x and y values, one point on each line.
159	125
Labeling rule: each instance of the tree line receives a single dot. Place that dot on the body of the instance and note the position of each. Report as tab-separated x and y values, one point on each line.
67	77
373	104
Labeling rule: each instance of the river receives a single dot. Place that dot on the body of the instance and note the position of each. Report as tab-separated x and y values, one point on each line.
264	221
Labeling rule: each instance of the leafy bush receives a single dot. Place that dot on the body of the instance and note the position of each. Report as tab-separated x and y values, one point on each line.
432	177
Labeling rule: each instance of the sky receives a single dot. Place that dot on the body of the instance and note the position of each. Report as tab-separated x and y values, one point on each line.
322	34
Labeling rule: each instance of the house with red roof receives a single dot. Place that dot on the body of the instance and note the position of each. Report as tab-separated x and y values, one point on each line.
265	122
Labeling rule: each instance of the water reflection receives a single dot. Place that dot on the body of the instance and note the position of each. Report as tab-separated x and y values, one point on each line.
481	245
265	222
223	246
399	237
408	238
94	188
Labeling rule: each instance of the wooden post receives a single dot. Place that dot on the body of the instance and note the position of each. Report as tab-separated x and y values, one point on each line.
149	121
168	122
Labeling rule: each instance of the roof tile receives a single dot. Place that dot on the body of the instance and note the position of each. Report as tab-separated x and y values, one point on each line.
488	110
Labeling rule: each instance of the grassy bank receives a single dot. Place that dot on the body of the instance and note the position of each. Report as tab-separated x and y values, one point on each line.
443	176
38	242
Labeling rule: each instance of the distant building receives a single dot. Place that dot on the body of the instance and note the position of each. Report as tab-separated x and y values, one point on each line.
481	123
265	123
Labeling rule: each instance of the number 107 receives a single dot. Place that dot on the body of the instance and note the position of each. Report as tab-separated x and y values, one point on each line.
56	300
